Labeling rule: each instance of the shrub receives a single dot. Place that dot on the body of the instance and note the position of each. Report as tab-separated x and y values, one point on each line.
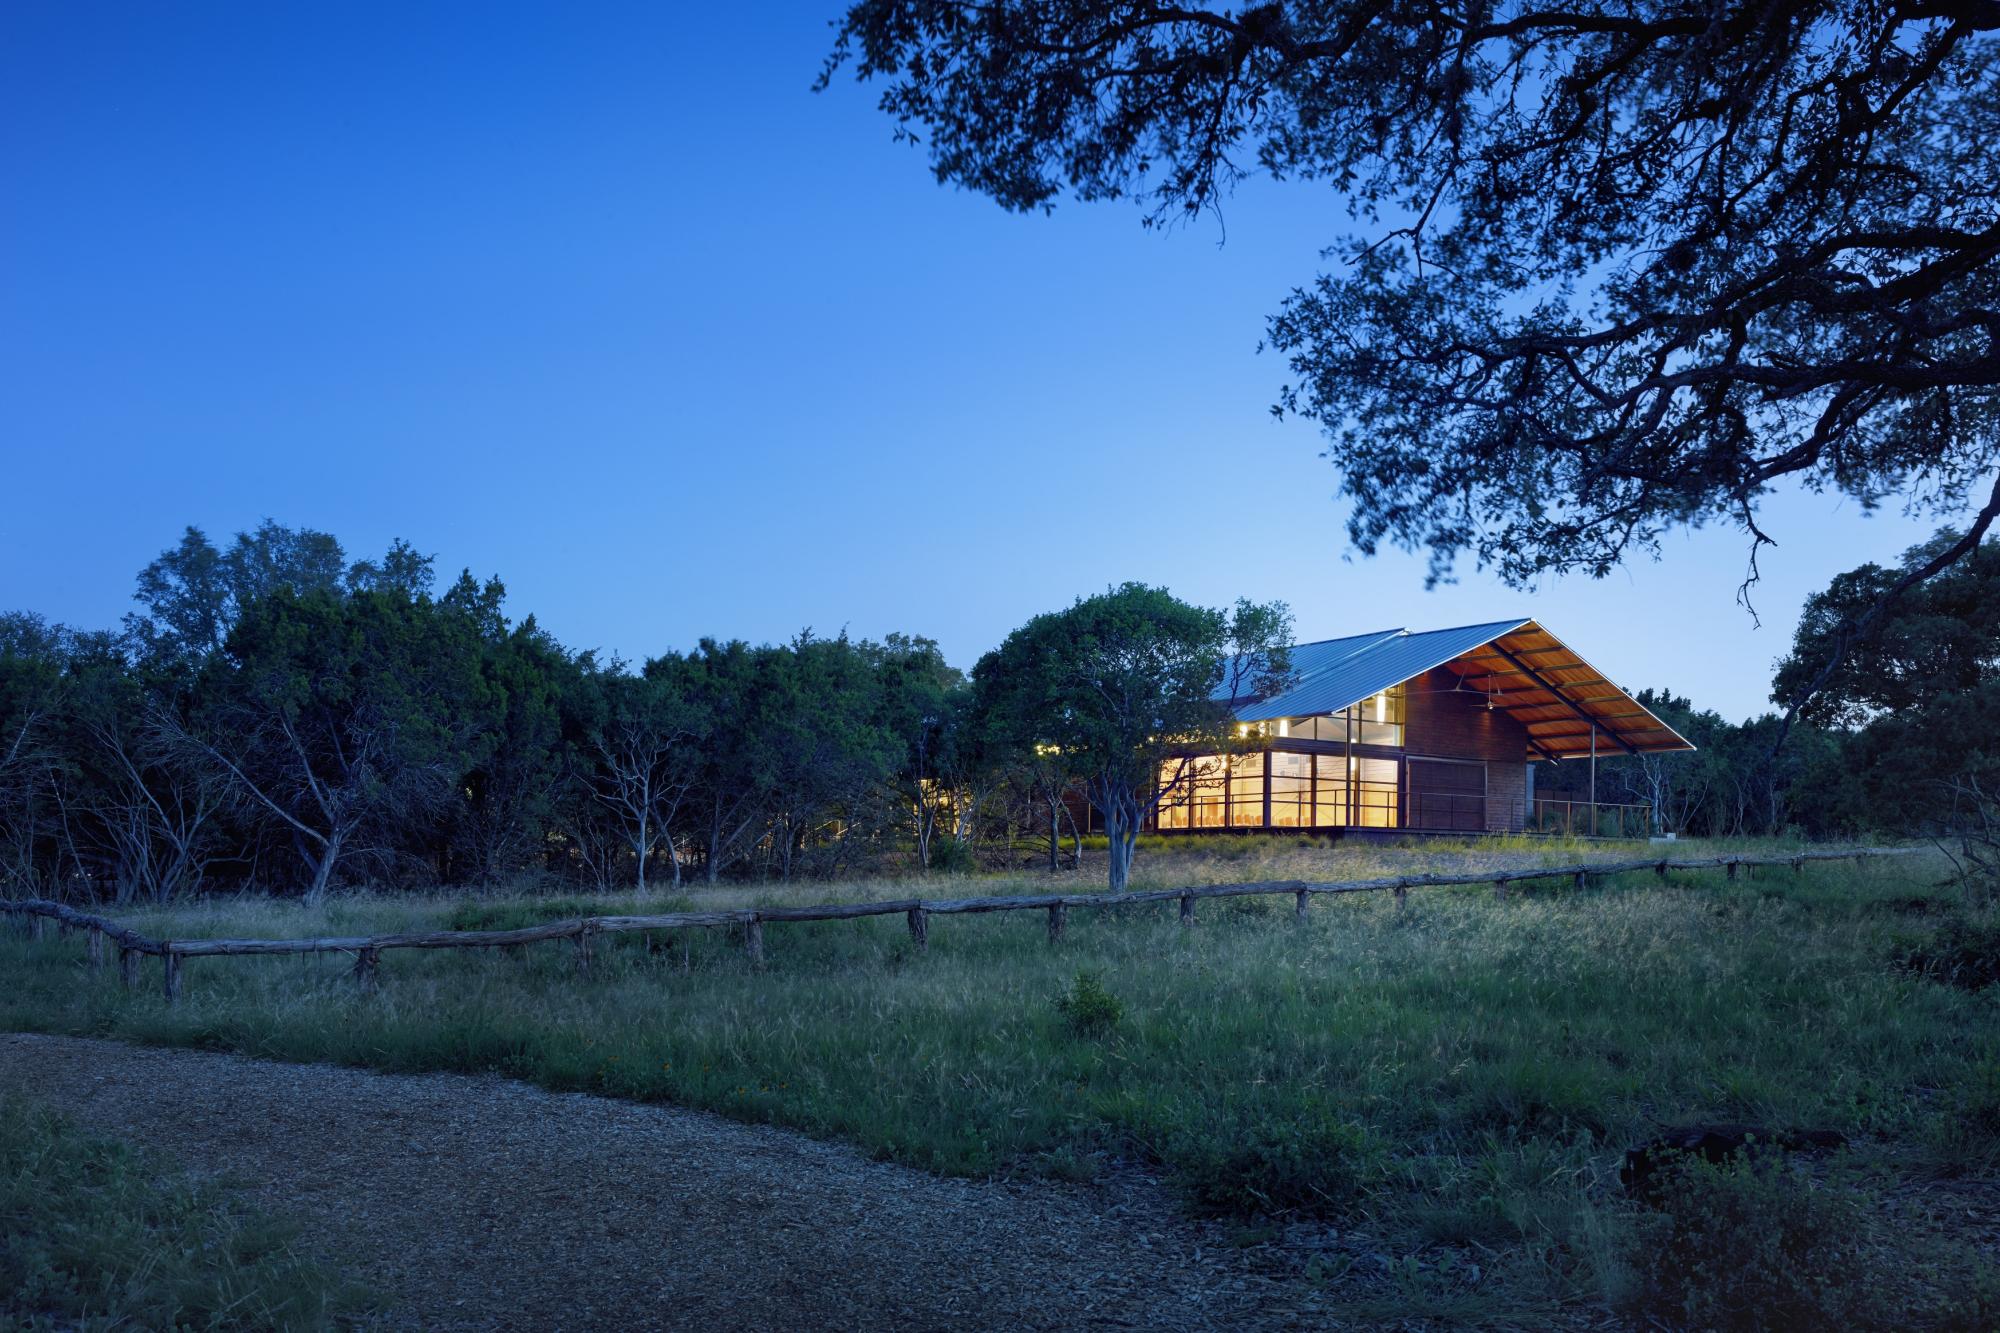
1311	1166
1088	1008
1961	954
1756	1245
953	856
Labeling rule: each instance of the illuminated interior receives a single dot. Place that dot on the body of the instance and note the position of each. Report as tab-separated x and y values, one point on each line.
1279	789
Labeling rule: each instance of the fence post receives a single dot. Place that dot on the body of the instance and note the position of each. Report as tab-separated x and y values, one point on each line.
170	982
583	950
1299	909
128	967
94	947
1058	918
753	941
1798	865
364	969
1500	889
1732	868
1582	880
920	928
1187	909
1402	897
38	929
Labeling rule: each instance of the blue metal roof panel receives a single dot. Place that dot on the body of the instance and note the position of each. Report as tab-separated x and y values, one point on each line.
1313	659
1330	680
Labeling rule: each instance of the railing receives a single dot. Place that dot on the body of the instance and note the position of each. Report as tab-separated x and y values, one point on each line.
1447	812
36	914
1583	819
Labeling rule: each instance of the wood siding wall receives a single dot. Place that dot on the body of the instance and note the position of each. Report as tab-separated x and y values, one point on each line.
1456	726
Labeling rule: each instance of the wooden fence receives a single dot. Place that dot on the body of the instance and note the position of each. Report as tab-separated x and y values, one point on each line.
35	915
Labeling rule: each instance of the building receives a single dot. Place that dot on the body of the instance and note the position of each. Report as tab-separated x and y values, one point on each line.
1427	732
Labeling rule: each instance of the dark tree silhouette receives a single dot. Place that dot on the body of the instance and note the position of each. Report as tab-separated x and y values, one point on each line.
1616	268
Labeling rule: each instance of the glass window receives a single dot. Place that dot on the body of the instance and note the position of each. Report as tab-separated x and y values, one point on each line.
1291	790
1174	800
1246	790
1207	791
1375	793
1378	720
1192	792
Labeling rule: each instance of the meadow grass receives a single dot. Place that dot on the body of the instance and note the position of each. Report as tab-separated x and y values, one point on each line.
1450	1086
98	1236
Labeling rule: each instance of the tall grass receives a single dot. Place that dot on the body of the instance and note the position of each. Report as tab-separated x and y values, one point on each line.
1457	1077
96	1236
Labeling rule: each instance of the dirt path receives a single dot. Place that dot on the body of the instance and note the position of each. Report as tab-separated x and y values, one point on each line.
479	1202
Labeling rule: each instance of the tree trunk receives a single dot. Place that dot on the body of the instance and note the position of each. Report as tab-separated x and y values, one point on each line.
1118	856
322	871
639	847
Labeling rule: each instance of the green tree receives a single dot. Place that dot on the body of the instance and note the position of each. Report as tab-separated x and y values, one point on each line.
34	662
1938	638
645	752
525	754
345	719
737	691
922	702
1918	690
831	748
1121	682
194	591
139	809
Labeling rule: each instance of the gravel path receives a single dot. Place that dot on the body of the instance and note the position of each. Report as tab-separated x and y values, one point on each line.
478	1202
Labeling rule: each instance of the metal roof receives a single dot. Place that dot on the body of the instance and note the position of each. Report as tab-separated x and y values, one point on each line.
1516	665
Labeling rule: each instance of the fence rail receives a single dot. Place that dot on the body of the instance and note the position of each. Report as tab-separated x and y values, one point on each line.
35	914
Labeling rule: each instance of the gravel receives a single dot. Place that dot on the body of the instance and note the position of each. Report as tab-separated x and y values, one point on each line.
479	1202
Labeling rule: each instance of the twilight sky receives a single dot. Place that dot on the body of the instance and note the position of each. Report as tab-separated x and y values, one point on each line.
605	300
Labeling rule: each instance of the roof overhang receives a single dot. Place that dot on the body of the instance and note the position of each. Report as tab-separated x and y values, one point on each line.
1569	707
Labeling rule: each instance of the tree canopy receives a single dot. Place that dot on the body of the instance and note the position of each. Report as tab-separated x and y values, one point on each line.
1614	268
1120	682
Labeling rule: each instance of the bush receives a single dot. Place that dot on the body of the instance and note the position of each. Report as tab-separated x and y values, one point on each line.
1314	1167
1961	954
953	856
1756	1244
1088	1008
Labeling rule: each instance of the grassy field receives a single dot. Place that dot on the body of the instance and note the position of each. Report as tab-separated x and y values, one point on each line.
96	1236
1425	1109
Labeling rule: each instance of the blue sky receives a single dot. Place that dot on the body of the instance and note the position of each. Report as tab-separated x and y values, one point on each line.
605	300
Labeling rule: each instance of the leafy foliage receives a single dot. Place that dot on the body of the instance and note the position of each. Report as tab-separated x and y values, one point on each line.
1314	1166
1088	1008
1120	682
281	718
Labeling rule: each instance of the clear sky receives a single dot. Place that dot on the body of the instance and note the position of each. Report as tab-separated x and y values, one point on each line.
603	299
